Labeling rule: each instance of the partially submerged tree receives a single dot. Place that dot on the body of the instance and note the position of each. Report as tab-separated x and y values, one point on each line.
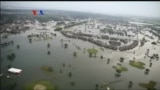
108	60
74	54
70	74
18	46
48	45
101	57
65	45
30	40
130	84
11	57
72	83
48	52
121	59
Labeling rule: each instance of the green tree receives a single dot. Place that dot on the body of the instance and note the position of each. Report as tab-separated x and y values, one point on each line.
74	54
130	84
48	52
30	40
70	74
12	42
50	69
48	45
61	71
108	60
18	46
121	59
11	57
64	65
72	83
147	71
90	54
101	57
65	45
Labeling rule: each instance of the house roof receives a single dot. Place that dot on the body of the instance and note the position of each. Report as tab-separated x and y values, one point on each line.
14	70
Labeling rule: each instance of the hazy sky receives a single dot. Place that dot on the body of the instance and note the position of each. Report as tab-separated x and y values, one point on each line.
148	9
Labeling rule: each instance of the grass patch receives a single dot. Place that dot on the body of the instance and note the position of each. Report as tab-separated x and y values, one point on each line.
137	64
149	86
120	68
47	84
102	49
47	69
92	51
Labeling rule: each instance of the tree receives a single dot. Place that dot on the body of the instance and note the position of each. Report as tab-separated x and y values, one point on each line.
30	40
97	86
134	58
101	57
11	57
150	65
90	54
108	60
152	57
48	45
12	42
18	46
157	58
74	54
64	65
50	69
70	74
65	45
147	71
130	84
48	52
154	43
118	71
72	83
117	74
121	59
61	71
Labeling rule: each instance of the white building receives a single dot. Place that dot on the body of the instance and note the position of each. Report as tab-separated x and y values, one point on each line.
15	70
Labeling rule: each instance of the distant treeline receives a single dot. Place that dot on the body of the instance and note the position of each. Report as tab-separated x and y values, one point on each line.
56	15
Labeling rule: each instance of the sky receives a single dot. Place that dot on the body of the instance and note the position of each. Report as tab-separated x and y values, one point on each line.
140	8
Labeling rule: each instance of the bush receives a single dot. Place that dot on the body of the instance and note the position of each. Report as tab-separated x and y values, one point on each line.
154	43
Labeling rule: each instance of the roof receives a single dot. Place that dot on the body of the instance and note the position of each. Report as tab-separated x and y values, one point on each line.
14	70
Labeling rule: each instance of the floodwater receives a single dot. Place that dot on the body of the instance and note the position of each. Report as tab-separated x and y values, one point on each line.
86	71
